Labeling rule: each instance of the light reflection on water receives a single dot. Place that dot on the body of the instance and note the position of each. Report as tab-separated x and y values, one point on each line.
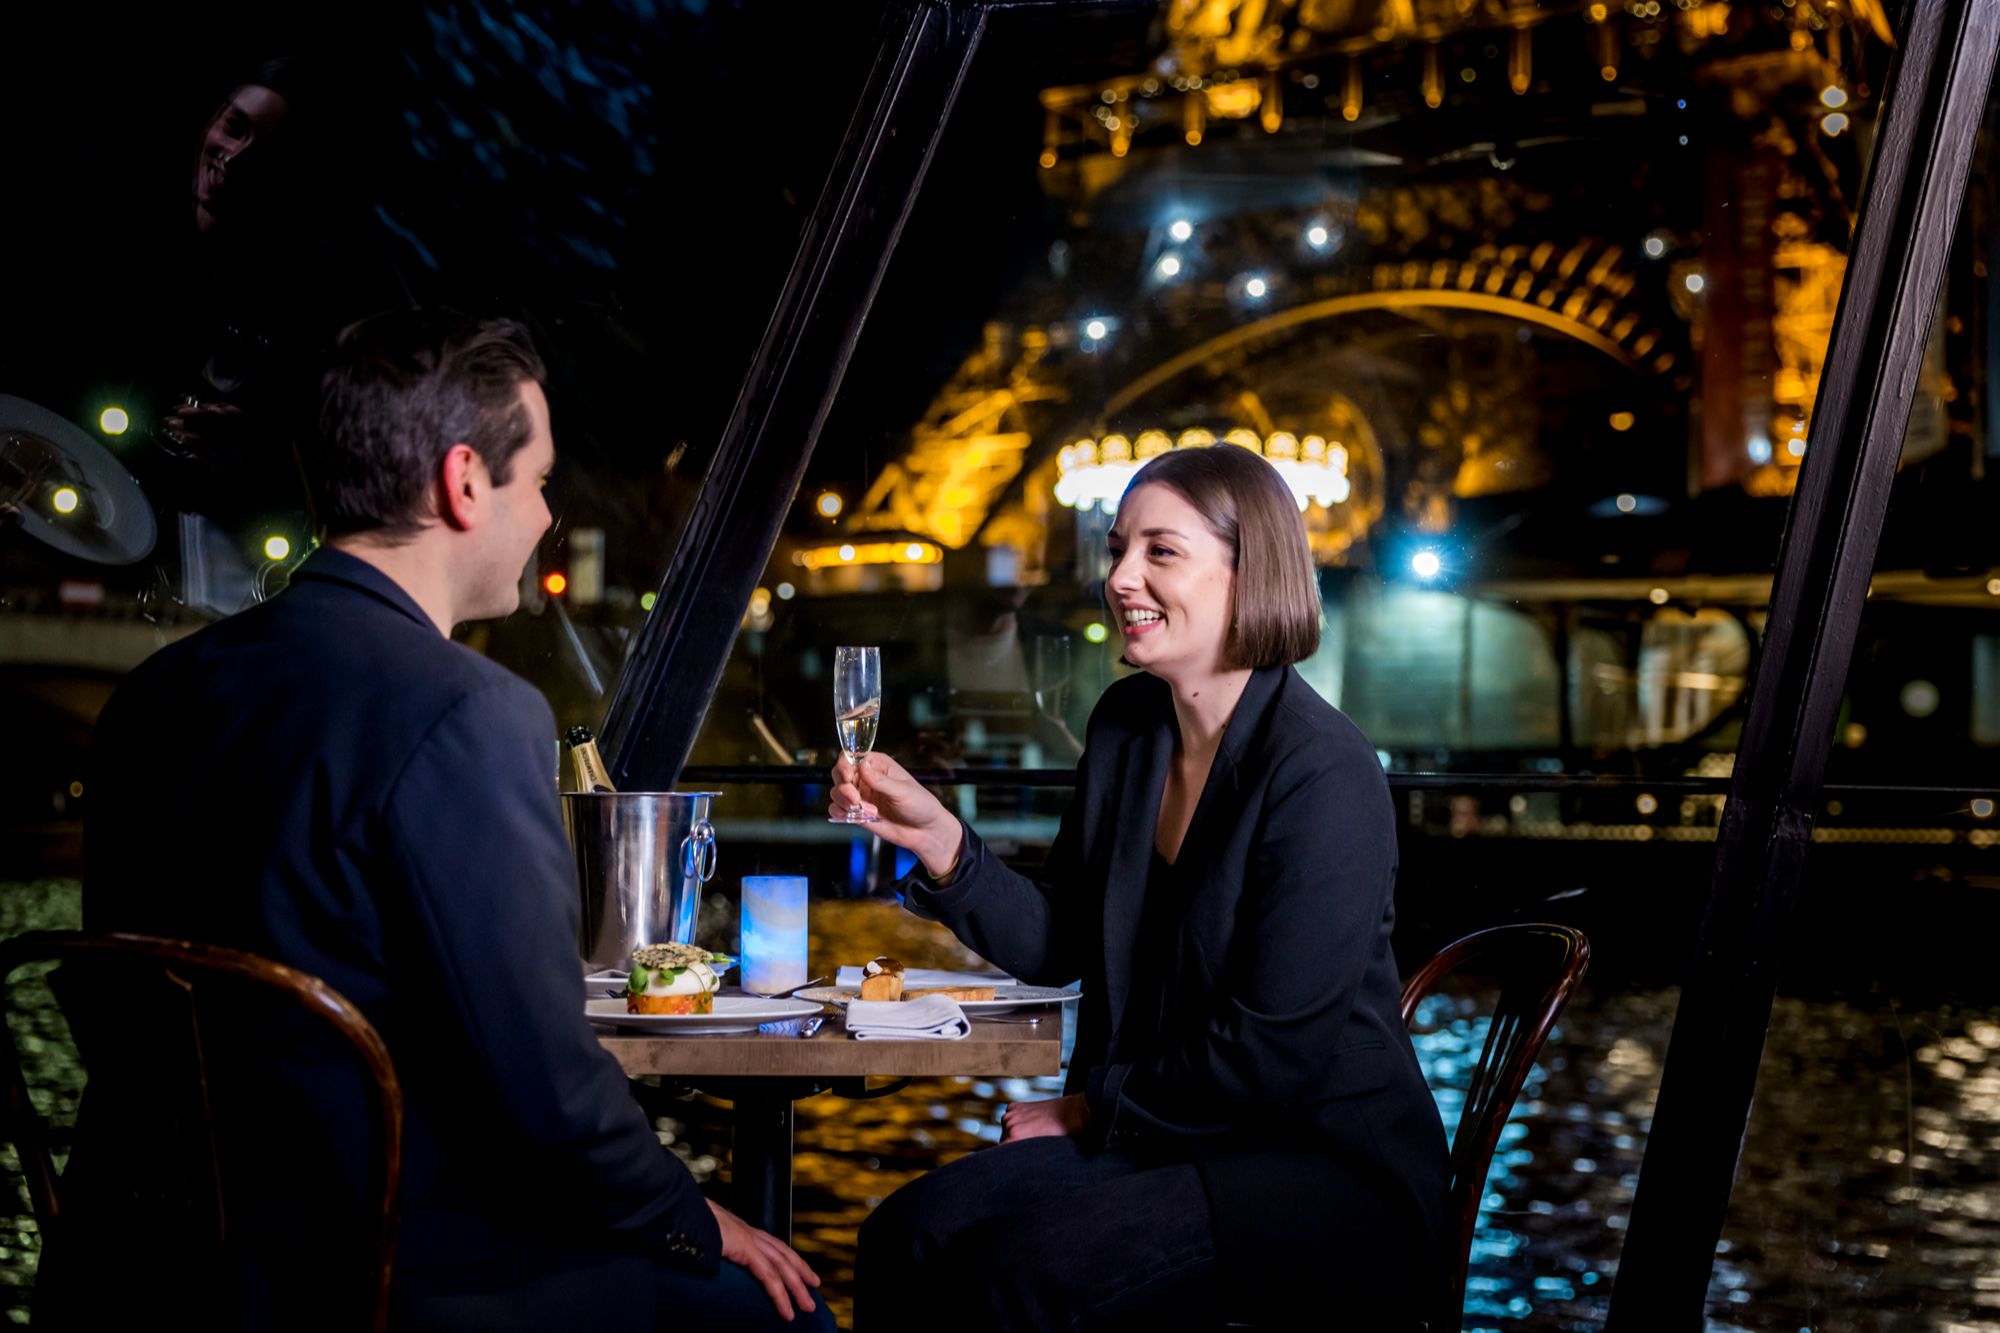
1868	1198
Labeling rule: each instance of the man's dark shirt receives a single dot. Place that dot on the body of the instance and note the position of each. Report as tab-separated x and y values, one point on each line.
328	781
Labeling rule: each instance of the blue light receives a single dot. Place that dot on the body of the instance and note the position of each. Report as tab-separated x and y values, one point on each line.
906	861
1425	564
857	861
1760	449
1627	504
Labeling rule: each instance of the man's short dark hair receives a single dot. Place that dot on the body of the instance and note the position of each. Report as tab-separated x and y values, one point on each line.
402	388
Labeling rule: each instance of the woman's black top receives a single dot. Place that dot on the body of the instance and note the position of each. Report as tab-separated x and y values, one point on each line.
1273	1053
1145	1011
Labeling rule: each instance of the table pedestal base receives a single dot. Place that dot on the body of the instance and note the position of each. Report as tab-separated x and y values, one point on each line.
760	1154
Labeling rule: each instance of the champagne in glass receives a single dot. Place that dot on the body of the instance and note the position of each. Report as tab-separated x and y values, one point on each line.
857	709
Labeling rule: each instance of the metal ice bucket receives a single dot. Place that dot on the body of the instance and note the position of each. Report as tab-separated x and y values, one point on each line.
641	859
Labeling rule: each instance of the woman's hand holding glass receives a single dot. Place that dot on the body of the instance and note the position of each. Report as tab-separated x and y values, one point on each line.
910	816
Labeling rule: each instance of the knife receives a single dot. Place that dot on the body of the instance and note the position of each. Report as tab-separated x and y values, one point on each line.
618	992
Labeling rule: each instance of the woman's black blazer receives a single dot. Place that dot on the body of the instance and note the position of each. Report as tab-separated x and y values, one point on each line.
1281	1066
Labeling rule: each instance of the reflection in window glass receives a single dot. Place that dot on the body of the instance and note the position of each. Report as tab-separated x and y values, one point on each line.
1868	1174
222	196
1531	318
1530	306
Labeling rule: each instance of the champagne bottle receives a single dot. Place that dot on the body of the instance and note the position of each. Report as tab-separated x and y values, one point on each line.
588	764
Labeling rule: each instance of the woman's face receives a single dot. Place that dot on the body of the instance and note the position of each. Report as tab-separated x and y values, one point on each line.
252	113
1171	584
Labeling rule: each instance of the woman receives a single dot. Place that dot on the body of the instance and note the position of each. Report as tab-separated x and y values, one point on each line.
1246	1130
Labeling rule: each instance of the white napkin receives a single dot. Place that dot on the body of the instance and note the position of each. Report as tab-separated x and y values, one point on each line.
921	976
932	1018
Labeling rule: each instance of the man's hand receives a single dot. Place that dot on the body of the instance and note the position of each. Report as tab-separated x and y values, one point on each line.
772	1262
1036	1120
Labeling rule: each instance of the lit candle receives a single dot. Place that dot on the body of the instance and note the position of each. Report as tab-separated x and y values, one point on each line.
774	933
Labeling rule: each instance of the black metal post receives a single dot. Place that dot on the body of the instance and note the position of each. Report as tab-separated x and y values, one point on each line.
1931	114
661	698
760	1159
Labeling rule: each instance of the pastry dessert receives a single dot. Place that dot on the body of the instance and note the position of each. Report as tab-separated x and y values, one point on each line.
882	979
674	979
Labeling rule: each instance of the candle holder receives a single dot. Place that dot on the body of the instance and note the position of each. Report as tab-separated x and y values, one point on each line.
774	933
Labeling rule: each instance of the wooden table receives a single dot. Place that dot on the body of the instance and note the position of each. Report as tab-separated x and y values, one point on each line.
762	1073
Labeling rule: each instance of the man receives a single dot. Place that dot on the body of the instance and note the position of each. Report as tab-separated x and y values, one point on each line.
328	780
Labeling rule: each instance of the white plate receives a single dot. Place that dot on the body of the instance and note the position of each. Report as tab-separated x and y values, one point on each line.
733	1013
1004	997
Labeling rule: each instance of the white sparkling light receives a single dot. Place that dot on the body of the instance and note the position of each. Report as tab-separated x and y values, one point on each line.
1426	564
1087	481
1181	229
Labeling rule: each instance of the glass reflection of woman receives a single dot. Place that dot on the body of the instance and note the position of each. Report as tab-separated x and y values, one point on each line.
262	291
1246	1128
255	246
246	128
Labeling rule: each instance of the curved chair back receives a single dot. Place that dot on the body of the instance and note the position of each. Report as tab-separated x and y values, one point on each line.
1538	966
177	1037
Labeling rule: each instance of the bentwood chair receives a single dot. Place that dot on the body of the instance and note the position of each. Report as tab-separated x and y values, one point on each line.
172	1059
1537	967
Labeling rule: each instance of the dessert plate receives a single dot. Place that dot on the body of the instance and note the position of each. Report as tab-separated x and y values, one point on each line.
1005	998
733	1013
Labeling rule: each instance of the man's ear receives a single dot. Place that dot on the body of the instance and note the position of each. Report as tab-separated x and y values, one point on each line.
462	486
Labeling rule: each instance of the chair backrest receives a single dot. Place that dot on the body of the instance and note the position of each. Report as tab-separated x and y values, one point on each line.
1537	966
177	1044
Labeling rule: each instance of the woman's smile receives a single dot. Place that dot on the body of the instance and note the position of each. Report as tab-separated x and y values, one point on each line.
1138	621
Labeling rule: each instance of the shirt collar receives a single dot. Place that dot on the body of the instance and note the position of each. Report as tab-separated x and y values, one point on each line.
327	565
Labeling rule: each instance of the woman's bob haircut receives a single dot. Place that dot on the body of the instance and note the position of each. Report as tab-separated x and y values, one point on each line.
1275	618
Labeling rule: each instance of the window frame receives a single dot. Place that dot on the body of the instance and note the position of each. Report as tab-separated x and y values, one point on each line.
1932	112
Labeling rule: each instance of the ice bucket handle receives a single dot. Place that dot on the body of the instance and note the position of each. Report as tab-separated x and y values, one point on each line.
698	852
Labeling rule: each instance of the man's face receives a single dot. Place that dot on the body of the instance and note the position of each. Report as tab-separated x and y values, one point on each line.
252	114
517	518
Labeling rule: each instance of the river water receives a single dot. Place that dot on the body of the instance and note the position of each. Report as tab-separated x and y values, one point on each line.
1868	1196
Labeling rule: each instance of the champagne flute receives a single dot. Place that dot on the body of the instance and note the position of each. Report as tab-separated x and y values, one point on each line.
857	708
